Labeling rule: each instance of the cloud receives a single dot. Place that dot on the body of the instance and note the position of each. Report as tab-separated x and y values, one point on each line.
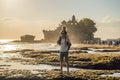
15	21
108	27
7	20
108	32
108	19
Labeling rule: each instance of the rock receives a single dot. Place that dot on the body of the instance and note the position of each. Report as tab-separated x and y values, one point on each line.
15	51
27	38
84	48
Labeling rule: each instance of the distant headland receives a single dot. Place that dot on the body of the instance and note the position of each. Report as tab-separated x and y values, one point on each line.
79	31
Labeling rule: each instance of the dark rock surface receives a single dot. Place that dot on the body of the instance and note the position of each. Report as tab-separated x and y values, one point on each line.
27	38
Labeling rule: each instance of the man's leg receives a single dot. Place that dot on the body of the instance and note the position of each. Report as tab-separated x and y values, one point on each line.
67	63
61	65
61	62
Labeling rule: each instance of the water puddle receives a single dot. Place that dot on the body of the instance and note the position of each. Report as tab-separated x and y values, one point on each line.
93	50
18	65
10	55
111	75
5	63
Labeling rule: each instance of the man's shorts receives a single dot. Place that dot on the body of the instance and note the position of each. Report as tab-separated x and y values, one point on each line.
64	55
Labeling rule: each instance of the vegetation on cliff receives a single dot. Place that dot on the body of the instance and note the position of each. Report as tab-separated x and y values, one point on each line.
78	30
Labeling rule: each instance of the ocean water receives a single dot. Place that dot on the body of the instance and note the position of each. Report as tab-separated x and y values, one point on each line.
111	75
7	46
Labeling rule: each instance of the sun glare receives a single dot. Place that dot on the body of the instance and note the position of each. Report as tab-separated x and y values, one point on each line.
9	3
9	47
5	41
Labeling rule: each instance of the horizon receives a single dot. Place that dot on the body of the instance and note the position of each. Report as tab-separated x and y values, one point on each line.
21	17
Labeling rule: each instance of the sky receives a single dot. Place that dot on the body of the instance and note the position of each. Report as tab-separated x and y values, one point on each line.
20	17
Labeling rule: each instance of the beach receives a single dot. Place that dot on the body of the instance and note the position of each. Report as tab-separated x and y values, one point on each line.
40	61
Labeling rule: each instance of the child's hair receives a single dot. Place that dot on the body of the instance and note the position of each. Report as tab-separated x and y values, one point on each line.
64	29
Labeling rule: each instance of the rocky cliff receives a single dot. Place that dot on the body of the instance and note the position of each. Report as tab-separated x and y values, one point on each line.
78	31
27	38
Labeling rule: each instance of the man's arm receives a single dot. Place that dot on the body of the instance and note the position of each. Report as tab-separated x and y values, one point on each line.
68	42
59	40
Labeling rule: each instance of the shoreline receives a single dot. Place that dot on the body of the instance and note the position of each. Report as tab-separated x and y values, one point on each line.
91	65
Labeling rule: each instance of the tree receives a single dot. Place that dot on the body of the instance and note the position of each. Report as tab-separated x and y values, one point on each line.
78	31
87	28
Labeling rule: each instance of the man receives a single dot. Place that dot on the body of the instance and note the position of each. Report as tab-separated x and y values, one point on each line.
65	44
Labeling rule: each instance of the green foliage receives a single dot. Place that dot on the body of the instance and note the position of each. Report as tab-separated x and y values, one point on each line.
82	30
78	30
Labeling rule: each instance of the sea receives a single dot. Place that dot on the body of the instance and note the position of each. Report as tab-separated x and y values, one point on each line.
7	45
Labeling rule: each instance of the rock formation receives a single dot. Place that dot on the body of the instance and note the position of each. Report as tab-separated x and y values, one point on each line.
27	38
78	31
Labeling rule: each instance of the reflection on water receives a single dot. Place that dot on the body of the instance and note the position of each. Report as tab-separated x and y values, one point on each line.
112	75
5	41
5	46
35	46
8	47
18	65
5	56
